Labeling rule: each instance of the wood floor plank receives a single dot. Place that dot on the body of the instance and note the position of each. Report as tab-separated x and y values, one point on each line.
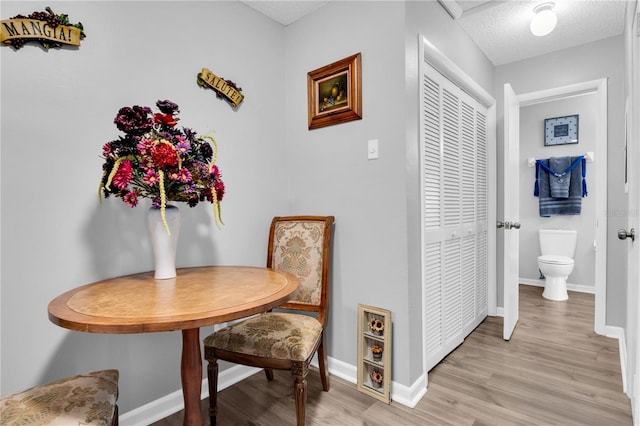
554	371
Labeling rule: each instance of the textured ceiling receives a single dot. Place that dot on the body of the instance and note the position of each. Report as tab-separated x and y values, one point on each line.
501	28
286	11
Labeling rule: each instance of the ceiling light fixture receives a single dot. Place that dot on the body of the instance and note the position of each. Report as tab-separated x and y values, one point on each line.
544	20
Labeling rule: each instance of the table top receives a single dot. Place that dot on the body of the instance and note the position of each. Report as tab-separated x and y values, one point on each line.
196	297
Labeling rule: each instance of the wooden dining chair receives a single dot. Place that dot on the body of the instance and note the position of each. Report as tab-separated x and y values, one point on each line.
287	340
85	399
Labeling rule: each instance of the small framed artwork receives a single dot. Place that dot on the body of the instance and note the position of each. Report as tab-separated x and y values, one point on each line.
335	93
561	130
374	352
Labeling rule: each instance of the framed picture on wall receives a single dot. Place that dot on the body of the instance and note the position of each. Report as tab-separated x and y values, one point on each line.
561	130
335	93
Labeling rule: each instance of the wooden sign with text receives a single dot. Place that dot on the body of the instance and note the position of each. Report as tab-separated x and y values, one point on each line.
223	88
46	28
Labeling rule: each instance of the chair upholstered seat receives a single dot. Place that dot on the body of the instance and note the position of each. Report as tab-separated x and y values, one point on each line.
86	399
286	338
273	335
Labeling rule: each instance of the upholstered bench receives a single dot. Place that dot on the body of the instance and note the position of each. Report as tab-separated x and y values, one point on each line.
86	399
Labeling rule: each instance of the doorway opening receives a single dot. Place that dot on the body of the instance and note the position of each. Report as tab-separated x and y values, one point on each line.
599	89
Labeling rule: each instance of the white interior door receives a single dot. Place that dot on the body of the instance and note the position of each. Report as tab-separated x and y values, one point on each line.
633	254
633	186
509	222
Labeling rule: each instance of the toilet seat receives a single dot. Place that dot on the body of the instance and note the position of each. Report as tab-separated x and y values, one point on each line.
553	259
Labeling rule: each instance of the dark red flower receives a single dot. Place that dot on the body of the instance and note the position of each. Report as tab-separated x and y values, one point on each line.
164	155
166	119
219	187
134	120
167	107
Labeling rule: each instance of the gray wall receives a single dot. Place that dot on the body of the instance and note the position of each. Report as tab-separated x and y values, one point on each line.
57	112
601	59
330	174
376	202
532	145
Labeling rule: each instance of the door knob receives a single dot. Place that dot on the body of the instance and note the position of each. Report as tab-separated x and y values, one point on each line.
623	234
508	225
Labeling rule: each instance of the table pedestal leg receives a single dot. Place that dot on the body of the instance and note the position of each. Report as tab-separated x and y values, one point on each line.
191	370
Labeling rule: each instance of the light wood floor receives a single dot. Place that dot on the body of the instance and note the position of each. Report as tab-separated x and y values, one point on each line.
554	371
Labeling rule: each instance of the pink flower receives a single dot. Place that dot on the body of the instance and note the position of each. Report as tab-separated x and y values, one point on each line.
151	177
131	199
107	149
185	176
144	147
123	176
215	172
181	175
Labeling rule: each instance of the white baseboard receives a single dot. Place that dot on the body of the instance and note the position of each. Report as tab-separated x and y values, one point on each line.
341	369
172	403
409	396
571	287
153	411
618	333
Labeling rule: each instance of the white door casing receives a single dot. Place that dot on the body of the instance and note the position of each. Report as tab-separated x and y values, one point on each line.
599	181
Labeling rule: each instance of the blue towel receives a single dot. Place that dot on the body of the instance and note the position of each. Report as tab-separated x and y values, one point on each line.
561	178
551	206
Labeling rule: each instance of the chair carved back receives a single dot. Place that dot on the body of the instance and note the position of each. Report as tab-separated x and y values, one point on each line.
301	245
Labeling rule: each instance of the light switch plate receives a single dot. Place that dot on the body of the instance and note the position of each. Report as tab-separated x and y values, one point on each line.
372	149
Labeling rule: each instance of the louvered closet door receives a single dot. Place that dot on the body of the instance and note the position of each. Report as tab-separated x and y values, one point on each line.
454	188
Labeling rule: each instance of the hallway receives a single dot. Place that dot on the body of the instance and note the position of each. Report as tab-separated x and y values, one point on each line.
554	370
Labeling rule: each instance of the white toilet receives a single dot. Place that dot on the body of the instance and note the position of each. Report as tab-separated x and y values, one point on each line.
557	248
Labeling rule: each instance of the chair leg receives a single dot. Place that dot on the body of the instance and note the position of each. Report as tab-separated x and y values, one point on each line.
269	373
212	376
300	390
322	363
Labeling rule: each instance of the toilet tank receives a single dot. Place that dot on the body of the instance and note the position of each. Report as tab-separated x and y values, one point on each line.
559	242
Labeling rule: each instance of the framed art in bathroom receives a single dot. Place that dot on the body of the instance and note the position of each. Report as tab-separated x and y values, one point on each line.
561	130
335	93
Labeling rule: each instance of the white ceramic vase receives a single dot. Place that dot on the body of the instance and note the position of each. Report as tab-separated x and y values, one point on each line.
164	245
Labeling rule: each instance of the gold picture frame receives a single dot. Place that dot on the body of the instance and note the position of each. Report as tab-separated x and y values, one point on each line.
335	92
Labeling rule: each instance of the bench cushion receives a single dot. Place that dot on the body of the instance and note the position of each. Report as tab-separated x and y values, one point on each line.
86	399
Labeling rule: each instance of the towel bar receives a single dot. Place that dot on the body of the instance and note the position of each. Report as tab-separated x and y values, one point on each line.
531	162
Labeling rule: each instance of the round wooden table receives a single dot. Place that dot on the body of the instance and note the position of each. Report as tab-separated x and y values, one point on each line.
196	297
